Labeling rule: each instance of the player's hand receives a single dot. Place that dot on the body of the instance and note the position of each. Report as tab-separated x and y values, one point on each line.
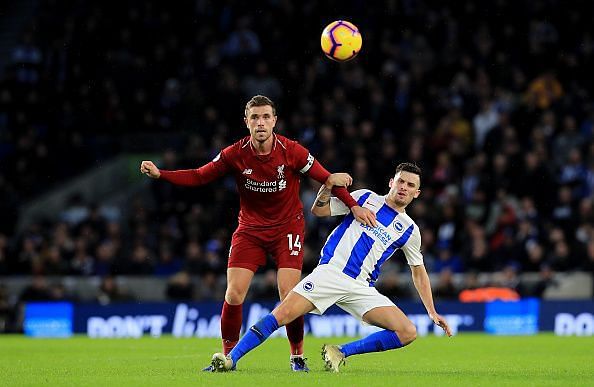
150	169
339	180
364	215
439	320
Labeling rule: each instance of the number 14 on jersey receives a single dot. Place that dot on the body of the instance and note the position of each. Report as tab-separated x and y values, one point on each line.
294	244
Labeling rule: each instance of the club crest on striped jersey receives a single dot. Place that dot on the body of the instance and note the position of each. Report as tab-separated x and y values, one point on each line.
398	226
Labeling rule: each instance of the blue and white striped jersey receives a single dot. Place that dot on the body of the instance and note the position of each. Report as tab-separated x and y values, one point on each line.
358	250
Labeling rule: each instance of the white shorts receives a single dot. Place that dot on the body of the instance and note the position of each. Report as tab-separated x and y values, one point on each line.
327	285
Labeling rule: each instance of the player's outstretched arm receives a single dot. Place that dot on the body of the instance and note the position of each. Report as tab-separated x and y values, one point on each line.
423	285
149	168
186	177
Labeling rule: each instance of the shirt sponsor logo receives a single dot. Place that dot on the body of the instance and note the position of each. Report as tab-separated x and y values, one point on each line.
264	186
380	233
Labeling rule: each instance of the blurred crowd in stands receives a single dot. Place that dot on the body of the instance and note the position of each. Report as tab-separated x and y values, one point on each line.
494	100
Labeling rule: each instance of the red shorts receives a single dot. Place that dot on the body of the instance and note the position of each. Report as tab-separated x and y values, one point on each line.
251	245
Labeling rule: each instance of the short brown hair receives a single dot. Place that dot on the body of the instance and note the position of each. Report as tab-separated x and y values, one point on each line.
409	167
259	100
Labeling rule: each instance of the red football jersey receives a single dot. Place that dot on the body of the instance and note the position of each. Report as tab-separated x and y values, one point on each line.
268	185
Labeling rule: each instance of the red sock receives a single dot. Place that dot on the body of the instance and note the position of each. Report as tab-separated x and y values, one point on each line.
230	325
295	335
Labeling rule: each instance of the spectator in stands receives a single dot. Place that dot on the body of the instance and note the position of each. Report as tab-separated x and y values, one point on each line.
168	263
537	289
445	289
52	262
180	287
508	277
140	263
59	293
479	258
110	292
106	255
82	263
242	41
534	256
211	287
471	281
447	260
389	284
267	288
27	59
544	90
37	290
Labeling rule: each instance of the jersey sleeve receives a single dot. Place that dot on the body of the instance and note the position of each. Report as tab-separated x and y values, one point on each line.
337	207
199	176
412	248
302	159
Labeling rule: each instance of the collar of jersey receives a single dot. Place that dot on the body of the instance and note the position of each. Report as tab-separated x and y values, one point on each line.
272	150
386	203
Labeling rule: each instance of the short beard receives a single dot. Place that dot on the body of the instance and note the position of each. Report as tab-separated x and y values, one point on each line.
399	203
261	141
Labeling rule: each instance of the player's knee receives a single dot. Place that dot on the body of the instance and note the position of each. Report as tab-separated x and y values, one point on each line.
234	297
408	334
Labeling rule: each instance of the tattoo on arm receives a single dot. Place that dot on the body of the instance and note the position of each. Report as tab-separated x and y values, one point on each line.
323	197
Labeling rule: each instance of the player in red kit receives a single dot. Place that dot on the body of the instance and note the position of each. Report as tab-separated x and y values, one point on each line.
267	169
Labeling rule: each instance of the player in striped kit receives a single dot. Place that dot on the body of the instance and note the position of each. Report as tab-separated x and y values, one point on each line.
349	265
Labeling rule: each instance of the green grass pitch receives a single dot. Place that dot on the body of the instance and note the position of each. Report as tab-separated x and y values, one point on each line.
463	360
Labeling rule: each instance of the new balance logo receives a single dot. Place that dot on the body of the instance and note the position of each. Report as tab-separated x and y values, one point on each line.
247	171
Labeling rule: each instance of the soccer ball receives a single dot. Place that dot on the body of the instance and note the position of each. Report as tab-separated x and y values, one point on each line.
341	41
